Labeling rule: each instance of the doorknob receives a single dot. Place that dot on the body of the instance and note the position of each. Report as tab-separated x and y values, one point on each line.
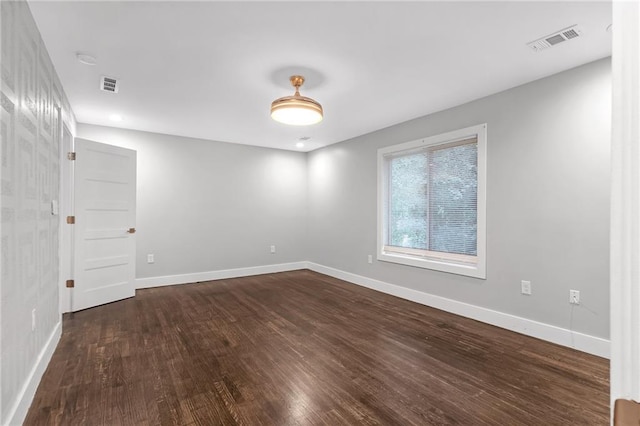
132	230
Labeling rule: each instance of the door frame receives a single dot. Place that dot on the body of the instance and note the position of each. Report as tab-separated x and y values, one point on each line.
66	209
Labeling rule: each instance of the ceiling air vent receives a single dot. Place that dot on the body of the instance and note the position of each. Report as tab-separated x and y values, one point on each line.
555	38
109	84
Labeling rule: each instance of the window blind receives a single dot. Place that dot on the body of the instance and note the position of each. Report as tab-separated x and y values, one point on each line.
432	200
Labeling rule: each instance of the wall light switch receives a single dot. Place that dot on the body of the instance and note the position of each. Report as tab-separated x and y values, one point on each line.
574	297
273	249
525	287
150	258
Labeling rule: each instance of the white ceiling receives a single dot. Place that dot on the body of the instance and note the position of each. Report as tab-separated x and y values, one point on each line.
211	69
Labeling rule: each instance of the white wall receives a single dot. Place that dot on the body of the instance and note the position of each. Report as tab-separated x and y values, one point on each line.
208	206
547	201
33	107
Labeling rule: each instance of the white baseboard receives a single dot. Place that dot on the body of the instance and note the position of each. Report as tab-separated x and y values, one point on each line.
217	275
18	411
582	342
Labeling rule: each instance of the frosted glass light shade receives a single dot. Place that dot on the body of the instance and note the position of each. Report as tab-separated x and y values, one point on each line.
296	111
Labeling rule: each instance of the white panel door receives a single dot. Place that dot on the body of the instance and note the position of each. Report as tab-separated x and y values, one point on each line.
104	232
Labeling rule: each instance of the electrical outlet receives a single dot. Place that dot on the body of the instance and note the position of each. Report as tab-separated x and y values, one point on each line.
525	287
33	319
273	249
151	258
369	259
574	297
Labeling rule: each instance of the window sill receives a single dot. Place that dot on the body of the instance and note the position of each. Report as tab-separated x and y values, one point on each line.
442	265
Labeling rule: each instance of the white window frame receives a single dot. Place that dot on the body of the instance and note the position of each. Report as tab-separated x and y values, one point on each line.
456	264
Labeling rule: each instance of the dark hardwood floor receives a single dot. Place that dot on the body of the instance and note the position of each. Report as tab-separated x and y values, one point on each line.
301	348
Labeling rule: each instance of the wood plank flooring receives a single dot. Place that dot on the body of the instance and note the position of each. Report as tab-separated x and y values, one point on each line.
301	348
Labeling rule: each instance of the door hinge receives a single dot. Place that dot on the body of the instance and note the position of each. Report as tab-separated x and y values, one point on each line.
71	220
71	155
71	283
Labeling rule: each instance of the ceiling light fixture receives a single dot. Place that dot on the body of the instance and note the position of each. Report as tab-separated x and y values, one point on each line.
116	117
296	110
86	59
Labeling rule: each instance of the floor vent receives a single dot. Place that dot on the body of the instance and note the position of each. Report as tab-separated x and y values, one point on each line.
555	38
109	84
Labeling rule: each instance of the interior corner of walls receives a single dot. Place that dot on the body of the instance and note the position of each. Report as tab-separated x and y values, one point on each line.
18	411
561	336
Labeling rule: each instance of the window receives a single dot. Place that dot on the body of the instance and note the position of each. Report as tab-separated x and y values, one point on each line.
431	202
